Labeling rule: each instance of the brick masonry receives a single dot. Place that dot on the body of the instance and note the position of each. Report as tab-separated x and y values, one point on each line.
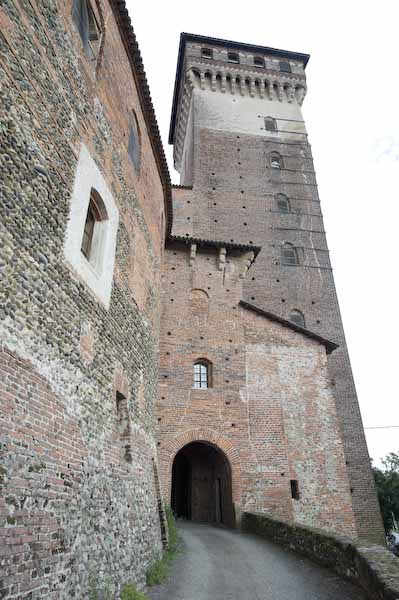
79	506
229	193
270	389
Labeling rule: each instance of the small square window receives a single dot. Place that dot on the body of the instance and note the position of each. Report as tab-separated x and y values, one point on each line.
285	66
258	61
206	52
232	57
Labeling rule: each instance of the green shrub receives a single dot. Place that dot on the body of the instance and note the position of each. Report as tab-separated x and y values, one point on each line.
129	592
158	571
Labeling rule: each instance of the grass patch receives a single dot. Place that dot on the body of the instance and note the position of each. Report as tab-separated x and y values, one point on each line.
159	571
129	592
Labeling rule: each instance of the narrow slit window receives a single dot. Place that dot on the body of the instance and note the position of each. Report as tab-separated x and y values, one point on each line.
294	489
289	255
123	425
201	375
134	145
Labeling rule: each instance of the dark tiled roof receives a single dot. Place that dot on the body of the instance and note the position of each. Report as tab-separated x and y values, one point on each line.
214	243
202	39
133	52
330	346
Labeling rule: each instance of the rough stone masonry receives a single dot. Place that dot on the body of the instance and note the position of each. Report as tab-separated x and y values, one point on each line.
79	336
85	211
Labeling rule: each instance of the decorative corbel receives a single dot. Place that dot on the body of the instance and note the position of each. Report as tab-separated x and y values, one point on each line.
193	253
222	259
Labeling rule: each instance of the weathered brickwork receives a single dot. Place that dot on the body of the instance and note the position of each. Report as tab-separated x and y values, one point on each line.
270	389
224	153
79	506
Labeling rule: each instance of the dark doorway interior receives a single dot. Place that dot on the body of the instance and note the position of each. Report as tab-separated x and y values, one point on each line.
201	485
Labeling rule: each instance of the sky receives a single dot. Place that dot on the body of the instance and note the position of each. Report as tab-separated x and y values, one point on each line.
351	112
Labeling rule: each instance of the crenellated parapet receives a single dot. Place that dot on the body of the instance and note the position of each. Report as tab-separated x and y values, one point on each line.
244	78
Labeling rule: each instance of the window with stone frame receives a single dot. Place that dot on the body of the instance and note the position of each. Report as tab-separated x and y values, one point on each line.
297	318
94	231
289	255
258	61
202	374
270	124
86	23
283	204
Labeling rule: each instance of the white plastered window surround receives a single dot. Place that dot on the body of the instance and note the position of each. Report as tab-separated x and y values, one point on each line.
97	272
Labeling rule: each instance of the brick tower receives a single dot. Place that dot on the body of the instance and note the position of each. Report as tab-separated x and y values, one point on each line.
248	182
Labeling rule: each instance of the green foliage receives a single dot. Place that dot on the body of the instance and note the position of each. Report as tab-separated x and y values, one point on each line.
158	571
387	481
100	591
129	592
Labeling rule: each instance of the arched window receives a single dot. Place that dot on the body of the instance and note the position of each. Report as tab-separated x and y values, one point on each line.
134	147
92	246
297	317
258	61
283	204
276	162
202	374
270	124
289	255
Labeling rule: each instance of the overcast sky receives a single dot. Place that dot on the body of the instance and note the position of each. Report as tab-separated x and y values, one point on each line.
351	111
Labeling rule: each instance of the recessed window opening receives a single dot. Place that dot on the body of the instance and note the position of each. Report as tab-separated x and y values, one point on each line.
294	489
285	66
202	374
233	57
289	255
86	23
283	204
270	124
207	52
297	318
123	425
93	240
134	146
258	61
276	161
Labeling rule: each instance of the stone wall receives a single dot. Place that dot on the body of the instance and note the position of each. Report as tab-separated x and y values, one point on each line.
269	407
78	503
373	568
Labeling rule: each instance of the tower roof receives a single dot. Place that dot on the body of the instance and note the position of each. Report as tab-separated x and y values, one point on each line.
203	39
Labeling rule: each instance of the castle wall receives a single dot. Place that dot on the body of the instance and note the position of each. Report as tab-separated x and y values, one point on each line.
234	198
270	408
78	503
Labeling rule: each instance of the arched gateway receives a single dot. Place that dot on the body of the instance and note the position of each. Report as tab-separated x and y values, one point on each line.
202	484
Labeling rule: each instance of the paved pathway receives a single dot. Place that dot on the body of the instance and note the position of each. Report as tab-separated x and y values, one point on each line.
222	564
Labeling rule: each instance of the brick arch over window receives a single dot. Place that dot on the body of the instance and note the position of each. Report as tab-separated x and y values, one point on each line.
169	449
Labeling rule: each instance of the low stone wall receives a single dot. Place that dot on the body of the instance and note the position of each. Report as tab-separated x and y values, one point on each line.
373	568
